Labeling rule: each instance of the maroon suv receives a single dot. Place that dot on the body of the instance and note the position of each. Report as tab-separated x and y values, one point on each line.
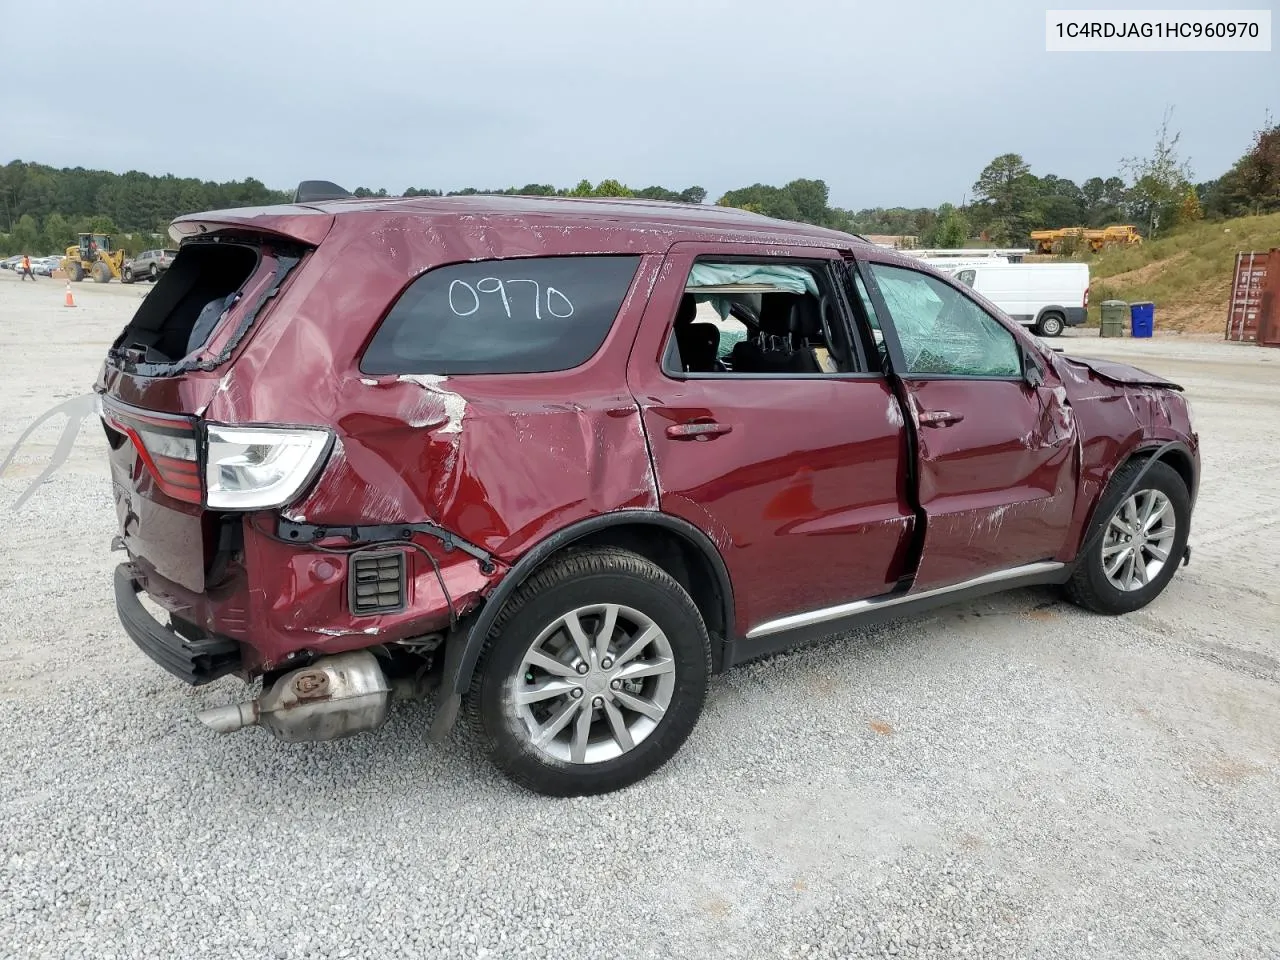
561	460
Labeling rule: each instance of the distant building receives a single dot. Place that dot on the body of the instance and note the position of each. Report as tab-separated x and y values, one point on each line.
893	242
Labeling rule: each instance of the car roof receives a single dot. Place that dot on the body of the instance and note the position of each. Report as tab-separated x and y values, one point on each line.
696	218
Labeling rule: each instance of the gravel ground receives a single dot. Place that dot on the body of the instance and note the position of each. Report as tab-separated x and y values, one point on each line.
1008	778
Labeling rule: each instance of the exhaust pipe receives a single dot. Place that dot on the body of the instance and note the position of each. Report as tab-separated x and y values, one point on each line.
334	697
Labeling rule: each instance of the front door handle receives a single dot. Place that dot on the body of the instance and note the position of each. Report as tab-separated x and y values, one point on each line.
703	430
938	418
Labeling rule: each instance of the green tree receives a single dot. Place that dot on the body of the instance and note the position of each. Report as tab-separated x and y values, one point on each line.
693	195
951	229
58	234
1252	185
611	188
26	235
1190	210
1008	192
1158	182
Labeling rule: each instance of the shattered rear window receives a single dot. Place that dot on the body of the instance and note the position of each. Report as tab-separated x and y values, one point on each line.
527	315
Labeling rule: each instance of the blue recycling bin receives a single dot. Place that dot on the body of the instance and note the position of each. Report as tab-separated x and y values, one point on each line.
1142	319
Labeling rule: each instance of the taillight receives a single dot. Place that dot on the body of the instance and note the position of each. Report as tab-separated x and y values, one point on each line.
167	448
1086	298
244	468
260	468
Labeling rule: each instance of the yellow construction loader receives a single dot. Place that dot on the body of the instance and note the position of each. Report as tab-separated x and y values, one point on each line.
93	257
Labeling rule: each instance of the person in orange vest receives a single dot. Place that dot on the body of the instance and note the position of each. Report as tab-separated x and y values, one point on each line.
26	267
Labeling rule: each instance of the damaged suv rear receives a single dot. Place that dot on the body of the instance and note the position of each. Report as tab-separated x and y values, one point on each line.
561	460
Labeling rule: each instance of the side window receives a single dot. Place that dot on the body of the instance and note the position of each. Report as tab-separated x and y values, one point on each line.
743	318
528	315
941	330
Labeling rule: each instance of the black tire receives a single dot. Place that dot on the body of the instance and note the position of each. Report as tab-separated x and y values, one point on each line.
603	575
101	273
1051	325
155	274
76	271
126	275
1089	586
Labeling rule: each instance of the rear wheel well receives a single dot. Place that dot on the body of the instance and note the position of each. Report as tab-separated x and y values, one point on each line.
682	559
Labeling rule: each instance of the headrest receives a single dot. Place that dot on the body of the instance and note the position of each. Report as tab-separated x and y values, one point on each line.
687	311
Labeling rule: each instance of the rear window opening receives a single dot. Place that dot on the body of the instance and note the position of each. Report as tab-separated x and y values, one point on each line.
183	310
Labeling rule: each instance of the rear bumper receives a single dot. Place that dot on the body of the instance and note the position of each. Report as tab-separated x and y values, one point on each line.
1076	316
196	661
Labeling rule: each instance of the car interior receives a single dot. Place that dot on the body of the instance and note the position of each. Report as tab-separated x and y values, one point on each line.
759	328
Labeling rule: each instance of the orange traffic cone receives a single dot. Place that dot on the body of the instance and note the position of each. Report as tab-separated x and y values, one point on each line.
71	301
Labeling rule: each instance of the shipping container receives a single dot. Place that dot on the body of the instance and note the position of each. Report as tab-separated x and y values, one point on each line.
1254	314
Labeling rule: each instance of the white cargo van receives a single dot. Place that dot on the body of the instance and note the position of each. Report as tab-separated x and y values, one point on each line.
1044	296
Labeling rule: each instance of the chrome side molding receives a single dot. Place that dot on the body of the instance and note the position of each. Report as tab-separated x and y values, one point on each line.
843	610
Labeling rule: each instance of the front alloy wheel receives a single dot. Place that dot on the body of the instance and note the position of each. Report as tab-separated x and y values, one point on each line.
1135	545
593	675
1138	540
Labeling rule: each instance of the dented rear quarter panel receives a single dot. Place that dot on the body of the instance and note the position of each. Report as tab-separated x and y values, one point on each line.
499	460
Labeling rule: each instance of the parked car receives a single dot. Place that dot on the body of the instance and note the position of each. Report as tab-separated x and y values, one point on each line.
148	265
44	266
509	461
1047	297
8	263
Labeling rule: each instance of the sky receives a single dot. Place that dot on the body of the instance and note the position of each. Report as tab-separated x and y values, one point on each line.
891	103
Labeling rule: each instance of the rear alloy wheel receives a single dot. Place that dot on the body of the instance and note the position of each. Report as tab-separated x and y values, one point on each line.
1144	535
593	675
1051	325
155	274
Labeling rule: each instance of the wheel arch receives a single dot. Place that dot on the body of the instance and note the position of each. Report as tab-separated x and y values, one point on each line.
675	545
1061	311
1174	453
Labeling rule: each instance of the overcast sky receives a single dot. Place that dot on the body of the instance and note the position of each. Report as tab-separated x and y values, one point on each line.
889	102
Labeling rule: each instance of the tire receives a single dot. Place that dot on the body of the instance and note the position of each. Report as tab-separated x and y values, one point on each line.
126	275
1051	325
76	271
101	273
1090	585
155	274
582	586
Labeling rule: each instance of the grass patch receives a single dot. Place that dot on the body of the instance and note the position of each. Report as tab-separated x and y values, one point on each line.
1186	274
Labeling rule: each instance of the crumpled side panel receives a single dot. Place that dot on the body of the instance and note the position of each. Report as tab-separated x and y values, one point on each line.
500	461
1114	420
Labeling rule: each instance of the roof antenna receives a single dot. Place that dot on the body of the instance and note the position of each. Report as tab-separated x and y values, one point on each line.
312	191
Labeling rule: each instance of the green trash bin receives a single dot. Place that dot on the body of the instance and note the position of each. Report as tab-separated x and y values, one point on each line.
1115	314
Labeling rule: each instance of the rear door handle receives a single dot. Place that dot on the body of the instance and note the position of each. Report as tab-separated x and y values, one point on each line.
698	431
938	418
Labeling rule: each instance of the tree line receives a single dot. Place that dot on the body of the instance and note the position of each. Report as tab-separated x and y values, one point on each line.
43	208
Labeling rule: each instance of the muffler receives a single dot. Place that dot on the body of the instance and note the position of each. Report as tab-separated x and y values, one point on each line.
334	697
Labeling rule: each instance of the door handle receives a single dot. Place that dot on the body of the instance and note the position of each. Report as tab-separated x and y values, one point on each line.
938	418
698	431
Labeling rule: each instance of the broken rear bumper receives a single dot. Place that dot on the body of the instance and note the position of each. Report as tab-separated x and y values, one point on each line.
196	661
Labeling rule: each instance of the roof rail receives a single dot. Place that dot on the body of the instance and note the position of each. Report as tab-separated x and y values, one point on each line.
311	191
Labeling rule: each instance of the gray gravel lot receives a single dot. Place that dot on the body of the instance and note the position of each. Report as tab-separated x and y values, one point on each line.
1008	778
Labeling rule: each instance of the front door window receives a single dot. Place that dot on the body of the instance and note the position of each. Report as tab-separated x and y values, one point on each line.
943	332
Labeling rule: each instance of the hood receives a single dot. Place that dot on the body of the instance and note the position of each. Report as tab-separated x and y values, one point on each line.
1121	373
